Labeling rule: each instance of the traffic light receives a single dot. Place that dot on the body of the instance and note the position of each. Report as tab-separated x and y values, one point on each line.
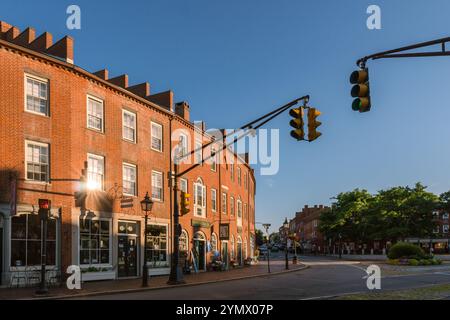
297	123
360	90
313	124
44	208
185	197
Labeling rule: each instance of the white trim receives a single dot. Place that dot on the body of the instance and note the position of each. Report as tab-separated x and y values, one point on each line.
39	79
126	164
213	208
102	102
41	144
125	111
98	157
151	136
162	185
111	238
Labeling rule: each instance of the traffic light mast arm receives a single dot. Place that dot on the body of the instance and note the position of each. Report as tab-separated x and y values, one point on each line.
270	116
395	52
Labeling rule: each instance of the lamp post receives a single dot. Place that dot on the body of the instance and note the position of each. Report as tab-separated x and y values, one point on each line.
146	206
286	226
340	246
44	209
267	226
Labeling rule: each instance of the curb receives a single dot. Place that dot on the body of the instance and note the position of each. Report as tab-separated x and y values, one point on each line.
134	290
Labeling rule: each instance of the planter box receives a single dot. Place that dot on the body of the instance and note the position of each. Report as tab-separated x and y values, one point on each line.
97	276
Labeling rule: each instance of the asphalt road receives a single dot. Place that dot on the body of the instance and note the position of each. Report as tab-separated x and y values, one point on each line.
324	278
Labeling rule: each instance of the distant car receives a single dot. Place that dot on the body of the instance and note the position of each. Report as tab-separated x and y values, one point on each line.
263	248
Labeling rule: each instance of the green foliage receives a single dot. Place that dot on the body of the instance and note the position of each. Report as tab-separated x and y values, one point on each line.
425	262
391	214
259	237
394	262
405	250
413	262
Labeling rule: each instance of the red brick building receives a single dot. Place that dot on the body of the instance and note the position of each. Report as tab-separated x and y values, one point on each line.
55	116
307	229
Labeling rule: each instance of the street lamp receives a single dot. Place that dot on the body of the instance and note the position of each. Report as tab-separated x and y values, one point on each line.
286	226
267	226
44	210
146	206
340	246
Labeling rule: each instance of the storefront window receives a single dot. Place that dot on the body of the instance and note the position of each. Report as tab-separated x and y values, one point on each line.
184	242
157	246
26	241
213	242
95	239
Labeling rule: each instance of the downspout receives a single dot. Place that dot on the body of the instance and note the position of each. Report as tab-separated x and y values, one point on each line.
170	188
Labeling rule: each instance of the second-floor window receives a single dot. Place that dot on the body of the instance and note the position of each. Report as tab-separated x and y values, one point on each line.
183	146
239	213
96	172
232	171
157	186
37	95
445	228
157	137
445	216
224	203
232	206
95	114
239	175
214	200
184	185
37	161
199	199
129	179
129	126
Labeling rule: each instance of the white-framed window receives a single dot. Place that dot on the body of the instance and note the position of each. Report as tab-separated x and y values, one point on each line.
445	216
184	185
95	242
96	172
157	186
213	200
199	199
129	125
184	242
239	175
183	144
224	203
213	159
36	95
26	240
436	214
129	179
157	137
445	228
239	213
37	157
95	114
315	223
213	242
437	229
198	152
157	248
232	206
232	171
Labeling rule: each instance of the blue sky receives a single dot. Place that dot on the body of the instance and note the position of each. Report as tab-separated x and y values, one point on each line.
233	60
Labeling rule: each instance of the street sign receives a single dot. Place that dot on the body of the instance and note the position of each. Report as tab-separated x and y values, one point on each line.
126	203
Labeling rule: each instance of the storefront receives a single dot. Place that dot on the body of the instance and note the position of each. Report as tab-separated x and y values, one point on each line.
200	251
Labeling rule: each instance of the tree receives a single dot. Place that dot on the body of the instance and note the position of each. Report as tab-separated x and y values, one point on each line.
259	235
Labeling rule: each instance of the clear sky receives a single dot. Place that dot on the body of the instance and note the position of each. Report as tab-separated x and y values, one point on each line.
233	60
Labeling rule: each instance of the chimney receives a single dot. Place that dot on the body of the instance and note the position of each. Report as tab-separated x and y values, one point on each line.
142	89
315	206
4	27
321	206
12	33
42	43
182	109
201	125
306	206
63	49
121	81
163	99
26	37
102	74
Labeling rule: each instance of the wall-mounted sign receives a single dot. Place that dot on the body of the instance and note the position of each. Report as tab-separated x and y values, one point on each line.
224	231
126	203
200	223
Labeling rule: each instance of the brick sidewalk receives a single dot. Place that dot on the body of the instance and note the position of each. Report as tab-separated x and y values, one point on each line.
156	282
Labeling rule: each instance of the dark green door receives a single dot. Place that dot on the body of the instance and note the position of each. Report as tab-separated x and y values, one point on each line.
127	262
200	248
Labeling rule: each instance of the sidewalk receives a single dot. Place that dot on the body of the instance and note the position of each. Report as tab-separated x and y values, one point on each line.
159	282
378	257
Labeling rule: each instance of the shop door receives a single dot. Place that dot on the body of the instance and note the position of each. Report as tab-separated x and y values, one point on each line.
200	257
127	260
239	252
225	253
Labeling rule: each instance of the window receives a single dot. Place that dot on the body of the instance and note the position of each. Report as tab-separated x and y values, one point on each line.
213	159
37	161
183	144
232	171
198	152
129	125
224	203
199	199
96	172
157	186
184	242
184	185
445	228
213	200
129	179
245	181
95	242
95	114
239	213
26	241
436	229
436	215
157	137
239	175
157	246
213	242
445	216
232	206
37	95
315	223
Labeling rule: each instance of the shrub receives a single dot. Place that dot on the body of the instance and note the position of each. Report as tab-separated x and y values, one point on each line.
425	262
436	261
405	250
413	262
394	262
